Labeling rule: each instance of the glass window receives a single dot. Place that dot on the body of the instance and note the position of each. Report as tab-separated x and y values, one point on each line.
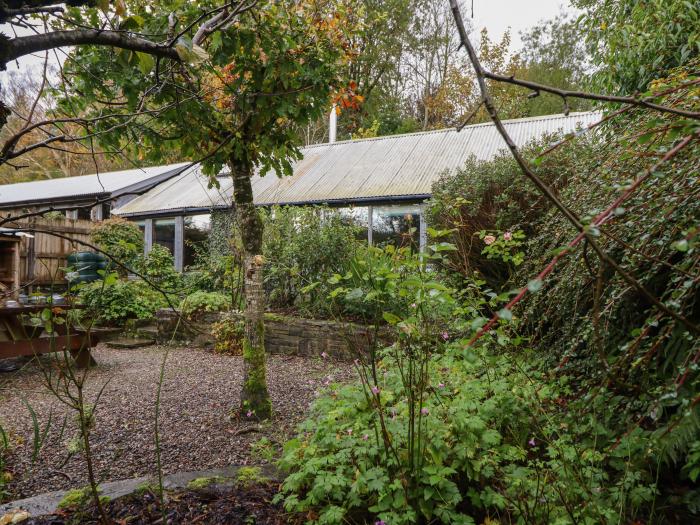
357	215
164	233
399	225
84	213
197	228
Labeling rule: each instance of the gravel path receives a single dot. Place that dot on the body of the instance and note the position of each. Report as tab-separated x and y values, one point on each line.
197	430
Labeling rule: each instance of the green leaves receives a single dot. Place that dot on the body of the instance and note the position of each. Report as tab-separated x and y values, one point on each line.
146	62
391	318
534	286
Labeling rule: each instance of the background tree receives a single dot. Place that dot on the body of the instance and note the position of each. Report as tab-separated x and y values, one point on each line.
554	53
27	106
634	42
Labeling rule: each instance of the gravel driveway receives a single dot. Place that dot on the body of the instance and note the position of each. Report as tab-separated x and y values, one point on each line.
197	430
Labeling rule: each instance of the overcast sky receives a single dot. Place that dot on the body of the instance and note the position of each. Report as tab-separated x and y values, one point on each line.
498	15
495	15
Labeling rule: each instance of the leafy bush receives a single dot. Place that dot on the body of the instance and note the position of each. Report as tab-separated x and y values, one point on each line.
488	451
158	266
636	41
628	361
494	196
119	238
200	302
228	335
303	246
436	432
591	324
113	302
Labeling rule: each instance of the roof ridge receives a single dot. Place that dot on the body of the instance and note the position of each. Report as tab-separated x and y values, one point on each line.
447	130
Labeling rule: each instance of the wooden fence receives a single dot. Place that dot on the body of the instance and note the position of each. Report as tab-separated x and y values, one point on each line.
43	256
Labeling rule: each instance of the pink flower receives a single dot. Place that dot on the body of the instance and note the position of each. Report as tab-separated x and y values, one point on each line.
324	354
356	362
375	390
424	411
489	239
379	522
441	385
414	305
507	236
532	442
365	437
249	413
445	336
349	432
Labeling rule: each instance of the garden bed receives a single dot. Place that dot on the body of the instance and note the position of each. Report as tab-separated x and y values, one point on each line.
198	430
211	506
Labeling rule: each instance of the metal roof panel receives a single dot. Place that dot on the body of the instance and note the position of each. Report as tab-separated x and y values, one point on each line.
397	166
81	186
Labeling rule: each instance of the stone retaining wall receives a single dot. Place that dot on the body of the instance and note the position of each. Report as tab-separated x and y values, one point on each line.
283	334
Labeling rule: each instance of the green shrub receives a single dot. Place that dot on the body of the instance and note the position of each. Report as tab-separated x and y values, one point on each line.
636	41
119	238
591	324
228	335
158	266
115	302
303	246
489	449
493	196
217	262
200	302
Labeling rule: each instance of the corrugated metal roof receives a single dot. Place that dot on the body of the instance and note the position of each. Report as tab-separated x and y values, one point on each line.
84	185
392	167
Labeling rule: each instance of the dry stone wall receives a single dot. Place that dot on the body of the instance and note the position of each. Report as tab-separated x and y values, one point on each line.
283	334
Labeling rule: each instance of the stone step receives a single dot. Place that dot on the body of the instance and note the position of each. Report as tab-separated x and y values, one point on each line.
130	342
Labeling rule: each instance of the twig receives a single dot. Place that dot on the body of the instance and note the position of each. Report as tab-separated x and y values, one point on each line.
564	94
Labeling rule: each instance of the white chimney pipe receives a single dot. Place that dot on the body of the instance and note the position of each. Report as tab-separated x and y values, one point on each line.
332	126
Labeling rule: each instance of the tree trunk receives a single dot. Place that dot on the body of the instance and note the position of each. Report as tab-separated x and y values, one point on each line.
255	399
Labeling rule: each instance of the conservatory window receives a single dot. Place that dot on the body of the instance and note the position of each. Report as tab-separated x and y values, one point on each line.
196	234
359	216
164	233
399	225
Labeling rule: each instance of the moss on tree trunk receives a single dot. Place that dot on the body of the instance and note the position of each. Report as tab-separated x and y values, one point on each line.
255	399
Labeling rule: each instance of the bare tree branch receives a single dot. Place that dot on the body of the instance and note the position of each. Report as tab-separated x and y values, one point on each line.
564	94
11	49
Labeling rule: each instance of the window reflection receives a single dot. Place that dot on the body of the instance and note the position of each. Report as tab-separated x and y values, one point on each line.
398	225
197	229
164	233
358	216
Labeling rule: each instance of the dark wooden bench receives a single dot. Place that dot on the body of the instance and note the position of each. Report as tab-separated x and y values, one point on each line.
18	339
